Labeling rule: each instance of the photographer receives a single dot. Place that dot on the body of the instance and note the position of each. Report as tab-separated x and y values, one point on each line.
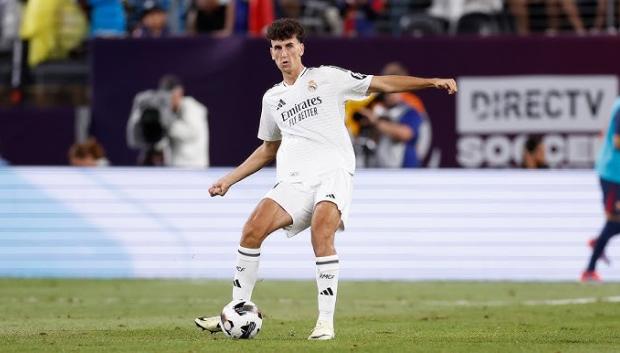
168	127
394	127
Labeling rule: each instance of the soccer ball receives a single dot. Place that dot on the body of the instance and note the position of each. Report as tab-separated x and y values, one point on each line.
241	319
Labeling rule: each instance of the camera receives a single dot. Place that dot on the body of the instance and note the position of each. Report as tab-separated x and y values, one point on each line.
154	116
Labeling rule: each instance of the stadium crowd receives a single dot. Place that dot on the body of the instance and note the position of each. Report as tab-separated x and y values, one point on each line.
161	18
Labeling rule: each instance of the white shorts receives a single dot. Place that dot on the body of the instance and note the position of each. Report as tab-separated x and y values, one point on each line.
299	198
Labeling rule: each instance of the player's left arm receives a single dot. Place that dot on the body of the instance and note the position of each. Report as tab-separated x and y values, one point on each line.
393	83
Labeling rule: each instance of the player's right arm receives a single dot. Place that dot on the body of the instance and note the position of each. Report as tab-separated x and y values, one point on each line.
262	156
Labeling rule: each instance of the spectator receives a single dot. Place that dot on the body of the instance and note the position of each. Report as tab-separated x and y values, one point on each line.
241	16
519	9
260	15
602	9
534	153
212	17
360	15
177	15
319	17
87	154
53	28
134	10
169	128
290	9
10	19
467	16
153	23
107	18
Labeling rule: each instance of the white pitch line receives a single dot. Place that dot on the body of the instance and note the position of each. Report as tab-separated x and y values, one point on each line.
590	300
570	301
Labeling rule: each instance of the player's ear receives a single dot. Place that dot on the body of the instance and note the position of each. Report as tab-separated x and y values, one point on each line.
273	57
301	50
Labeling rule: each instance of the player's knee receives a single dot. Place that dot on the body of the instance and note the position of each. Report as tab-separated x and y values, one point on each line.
253	235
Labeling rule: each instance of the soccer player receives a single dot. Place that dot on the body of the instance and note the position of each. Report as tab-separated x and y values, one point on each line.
302	126
608	168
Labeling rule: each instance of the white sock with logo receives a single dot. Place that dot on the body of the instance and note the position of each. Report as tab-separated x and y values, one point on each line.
327	268
246	272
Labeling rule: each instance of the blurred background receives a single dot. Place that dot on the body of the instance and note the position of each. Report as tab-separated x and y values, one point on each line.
74	68
177	85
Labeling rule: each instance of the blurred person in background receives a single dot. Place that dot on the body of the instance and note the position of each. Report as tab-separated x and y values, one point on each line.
449	12
534	153
10	20
519	9
602	12
189	131
387	129
107	18
260	14
153	22
397	127
53	28
319	17
88	154
212	17
608	168
169	128
177	15
360	16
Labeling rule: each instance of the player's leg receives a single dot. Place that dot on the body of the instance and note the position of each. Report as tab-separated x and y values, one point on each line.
268	216
611	197
325	221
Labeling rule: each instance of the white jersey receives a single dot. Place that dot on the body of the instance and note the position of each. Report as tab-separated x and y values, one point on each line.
308	117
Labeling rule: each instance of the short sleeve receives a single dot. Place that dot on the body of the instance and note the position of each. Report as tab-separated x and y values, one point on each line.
268	130
352	85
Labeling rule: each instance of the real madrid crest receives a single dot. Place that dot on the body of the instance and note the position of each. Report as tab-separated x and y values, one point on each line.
312	86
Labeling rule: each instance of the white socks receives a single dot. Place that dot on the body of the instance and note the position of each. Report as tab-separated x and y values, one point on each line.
246	272
327	284
327	268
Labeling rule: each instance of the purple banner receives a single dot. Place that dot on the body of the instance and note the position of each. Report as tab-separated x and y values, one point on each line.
36	136
229	76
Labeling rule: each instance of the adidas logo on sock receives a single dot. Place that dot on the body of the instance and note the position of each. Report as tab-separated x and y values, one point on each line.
328	291
236	283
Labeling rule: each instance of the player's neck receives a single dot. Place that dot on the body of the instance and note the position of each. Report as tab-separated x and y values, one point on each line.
291	78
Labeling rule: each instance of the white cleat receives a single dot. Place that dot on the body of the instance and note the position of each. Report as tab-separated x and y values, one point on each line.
322	331
211	324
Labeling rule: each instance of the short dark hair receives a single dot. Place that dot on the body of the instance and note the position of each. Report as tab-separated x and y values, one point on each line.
286	28
170	82
532	143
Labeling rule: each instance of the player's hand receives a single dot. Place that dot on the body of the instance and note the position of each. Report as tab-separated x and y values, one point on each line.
220	187
447	84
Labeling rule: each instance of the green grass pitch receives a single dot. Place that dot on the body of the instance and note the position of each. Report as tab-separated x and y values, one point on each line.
157	316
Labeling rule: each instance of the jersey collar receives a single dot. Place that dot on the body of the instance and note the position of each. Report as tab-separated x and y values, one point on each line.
297	79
